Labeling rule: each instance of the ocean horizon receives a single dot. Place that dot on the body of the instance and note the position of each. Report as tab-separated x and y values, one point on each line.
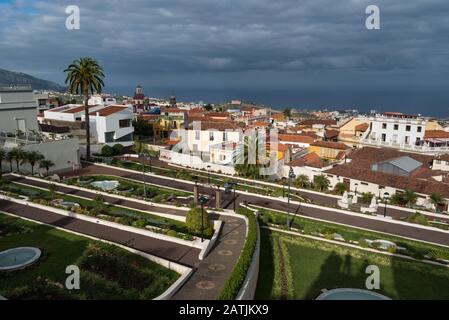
429	102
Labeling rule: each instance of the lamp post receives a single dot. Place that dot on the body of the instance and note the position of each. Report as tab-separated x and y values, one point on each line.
386	196
208	175
283	187
149	158
291	175
356	186
202	201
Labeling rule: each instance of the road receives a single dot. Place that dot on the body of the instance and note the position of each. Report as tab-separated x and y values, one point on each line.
324	214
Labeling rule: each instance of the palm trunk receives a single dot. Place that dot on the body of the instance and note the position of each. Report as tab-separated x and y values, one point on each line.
86	109
32	169
17	165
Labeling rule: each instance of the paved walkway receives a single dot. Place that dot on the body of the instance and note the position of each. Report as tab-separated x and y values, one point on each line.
209	278
178	253
227	200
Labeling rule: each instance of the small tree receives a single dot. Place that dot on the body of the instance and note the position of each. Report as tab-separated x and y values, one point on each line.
436	199
107	151
52	191
321	182
302	181
410	197
367	197
193	222
340	188
46	164
118	149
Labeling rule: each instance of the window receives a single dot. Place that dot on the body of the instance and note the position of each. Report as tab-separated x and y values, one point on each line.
396	127
437	161
408	128
384	126
384	137
222	157
109	137
197	135
407	139
21	125
125	123
419	129
211	136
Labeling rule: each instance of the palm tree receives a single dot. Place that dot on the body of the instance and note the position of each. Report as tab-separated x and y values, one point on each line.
410	197
340	188
16	154
9	157
302	181
46	164
32	158
321	182
436	198
85	77
3	154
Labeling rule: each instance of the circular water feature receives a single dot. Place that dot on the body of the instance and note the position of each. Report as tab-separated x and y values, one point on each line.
351	294
106	185
18	258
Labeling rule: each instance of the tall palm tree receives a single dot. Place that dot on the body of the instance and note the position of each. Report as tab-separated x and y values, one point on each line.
32	158
3	154
85	77
46	164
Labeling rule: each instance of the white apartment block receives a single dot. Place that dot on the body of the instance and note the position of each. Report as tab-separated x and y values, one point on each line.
394	130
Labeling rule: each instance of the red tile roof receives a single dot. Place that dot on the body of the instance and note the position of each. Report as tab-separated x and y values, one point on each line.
108	111
296	138
362	127
435	134
331	145
331	134
310	160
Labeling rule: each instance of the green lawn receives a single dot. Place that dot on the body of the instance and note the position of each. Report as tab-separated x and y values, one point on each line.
316	265
107	272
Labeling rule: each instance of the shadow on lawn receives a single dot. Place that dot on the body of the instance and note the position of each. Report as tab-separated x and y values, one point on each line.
338	272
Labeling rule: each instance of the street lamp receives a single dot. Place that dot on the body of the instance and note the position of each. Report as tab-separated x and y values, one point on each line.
283	187
149	158
356	186
386	196
291	175
208	175
202	200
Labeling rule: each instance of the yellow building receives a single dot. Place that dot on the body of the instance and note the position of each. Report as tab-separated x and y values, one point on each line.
329	150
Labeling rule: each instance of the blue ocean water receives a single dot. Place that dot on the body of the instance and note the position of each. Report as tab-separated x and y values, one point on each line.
431	102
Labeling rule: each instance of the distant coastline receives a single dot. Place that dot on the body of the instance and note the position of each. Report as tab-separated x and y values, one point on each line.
427	102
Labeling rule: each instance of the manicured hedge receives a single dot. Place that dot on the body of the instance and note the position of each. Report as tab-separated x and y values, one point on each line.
235	281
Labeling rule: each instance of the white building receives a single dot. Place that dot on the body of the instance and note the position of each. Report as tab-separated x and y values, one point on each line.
99	100
108	124
19	129
394	130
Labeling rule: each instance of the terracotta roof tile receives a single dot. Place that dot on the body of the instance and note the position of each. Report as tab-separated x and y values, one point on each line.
310	160
331	145
296	138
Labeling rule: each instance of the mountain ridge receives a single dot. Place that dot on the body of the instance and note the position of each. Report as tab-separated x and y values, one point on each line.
19	78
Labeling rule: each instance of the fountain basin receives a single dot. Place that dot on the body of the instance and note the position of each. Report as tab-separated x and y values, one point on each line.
18	258
351	294
106	185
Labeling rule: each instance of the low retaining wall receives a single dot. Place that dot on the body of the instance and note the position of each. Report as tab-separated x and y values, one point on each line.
218	224
248	289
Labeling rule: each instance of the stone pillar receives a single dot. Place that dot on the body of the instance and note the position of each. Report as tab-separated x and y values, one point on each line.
195	195
217	198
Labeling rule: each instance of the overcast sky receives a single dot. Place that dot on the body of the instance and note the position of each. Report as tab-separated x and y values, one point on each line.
226	43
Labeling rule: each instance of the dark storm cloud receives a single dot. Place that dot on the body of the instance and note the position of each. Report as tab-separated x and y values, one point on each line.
203	39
